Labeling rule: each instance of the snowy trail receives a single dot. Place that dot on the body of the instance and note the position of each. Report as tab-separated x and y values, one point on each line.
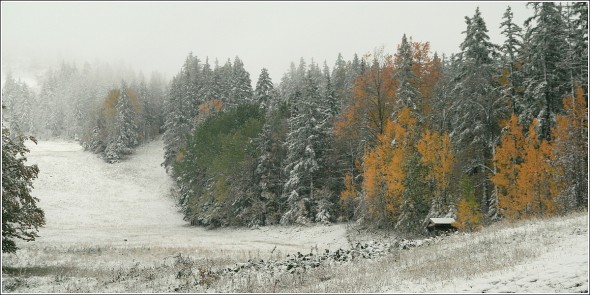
87	201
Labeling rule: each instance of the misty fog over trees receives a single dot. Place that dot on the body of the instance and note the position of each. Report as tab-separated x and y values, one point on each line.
389	139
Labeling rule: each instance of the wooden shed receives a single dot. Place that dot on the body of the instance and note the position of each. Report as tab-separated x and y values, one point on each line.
441	224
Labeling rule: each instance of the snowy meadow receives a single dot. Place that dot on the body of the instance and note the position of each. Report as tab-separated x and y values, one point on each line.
115	228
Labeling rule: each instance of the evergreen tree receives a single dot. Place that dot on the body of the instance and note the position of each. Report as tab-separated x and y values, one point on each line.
148	114
241	85
157	90
305	157
268	173
125	136
340	81
511	77
177	124
19	101
546	74
442	99
182	109
207	90
576	16
478	107
264	89
330	100
406	92
21	217
571	152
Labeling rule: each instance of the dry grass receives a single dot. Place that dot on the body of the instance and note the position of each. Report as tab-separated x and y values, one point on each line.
120	268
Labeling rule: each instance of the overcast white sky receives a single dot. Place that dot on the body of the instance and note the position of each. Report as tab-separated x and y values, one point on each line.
158	36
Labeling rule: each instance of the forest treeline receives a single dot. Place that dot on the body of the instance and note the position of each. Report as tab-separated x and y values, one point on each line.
388	139
84	104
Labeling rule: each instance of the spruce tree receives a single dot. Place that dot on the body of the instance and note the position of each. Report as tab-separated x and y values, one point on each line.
511	63
264	89
576	17
241	85
406	92
340	81
546	73
21	217
181	110
125	136
330	100
478	107
305	156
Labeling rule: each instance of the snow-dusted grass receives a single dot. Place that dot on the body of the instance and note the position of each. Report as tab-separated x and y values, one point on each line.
113	228
103	219
529	257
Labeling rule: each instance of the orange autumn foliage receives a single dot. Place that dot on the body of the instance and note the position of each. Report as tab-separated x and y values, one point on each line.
379	183
110	102
508	158
210	106
535	182
373	101
524	180
468	216
436	154
384	167
427	71
362	122
349	191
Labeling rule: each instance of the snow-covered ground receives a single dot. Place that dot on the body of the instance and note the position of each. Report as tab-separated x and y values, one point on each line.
89	202
548	256
114	228
564	268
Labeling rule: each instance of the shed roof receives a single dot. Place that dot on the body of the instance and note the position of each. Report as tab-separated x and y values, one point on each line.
442	220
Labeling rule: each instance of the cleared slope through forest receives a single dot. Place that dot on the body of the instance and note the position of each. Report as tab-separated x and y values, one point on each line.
87	201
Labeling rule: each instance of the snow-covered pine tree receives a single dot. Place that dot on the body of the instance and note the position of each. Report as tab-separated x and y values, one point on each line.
216	89
305	156
546	74
406	92
180	112
158	89
21	217
207	92
340	81
511	77
267	173
330	101
478	107
176	125
148	113
316	74
48	96
225	83
125	136
264	89
241	85
193	89
576	18
442	99
11	98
